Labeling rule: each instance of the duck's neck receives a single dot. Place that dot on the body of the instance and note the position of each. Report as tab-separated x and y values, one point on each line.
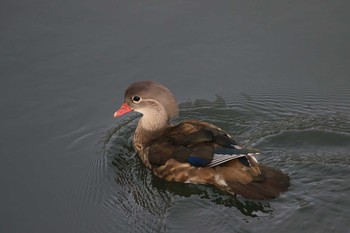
153	123
144	136
153	118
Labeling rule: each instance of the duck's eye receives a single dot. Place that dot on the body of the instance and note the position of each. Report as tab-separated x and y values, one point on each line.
136	99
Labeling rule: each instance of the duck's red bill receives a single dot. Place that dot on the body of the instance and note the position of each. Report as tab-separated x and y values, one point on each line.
122	110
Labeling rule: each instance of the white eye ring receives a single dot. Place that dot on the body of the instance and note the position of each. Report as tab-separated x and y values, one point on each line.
136	99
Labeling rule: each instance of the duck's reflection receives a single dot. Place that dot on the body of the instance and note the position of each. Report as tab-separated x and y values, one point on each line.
252	208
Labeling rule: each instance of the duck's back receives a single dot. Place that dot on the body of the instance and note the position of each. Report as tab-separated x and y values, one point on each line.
191	141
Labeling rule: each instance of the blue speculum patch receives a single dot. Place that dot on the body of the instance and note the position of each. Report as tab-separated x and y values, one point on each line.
198	162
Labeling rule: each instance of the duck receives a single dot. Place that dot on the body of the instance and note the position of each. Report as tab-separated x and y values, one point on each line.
195	151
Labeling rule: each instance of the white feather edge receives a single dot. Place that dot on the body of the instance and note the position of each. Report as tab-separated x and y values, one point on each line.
223	158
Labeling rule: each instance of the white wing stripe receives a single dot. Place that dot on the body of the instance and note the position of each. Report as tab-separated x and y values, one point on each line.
220	158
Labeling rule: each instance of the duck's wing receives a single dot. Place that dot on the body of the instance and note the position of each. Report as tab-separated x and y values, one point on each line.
191	132
198	143
223	158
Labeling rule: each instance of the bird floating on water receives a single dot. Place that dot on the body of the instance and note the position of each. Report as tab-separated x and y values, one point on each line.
194	151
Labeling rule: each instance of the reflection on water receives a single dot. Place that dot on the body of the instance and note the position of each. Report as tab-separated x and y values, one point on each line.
246	207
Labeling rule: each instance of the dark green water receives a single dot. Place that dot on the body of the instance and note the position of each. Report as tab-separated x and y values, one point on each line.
281	70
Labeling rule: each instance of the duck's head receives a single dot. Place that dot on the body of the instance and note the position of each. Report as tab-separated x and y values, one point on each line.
153	100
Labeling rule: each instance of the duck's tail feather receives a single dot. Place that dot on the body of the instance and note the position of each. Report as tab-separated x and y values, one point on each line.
251	180
269	184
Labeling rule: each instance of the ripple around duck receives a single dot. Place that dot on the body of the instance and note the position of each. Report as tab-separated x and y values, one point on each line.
314	138
130	191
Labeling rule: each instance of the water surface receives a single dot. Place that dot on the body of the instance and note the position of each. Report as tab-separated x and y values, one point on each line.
281	73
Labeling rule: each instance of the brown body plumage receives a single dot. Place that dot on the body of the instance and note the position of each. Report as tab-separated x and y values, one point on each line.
169	150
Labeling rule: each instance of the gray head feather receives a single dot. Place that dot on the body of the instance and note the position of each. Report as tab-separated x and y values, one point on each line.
155	91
